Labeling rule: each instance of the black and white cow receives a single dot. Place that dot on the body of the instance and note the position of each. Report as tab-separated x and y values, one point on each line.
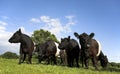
91	48
47	51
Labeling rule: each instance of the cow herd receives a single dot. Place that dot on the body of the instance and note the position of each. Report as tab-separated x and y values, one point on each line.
68	50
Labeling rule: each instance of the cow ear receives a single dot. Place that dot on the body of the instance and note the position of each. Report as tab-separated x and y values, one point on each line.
68	38
76	35
91	35
61	39
19	31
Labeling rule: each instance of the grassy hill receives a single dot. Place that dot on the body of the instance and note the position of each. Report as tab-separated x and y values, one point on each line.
10	66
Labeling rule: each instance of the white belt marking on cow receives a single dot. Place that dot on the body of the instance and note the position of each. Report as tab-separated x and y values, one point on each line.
99	48
58	50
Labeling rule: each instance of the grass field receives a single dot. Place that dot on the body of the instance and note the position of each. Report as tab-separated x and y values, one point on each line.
10	66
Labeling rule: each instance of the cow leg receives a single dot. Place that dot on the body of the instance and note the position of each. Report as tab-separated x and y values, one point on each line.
77	64
82	57
39	59
72	60
29	59
24	57
21	55
48	60
86	62
69	61
51	60
82	61
54	59
95	62
65	60
61	60
21	58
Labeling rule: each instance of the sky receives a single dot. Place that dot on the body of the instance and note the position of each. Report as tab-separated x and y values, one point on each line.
62	18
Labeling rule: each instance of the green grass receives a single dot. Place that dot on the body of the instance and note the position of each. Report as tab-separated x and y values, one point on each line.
10	66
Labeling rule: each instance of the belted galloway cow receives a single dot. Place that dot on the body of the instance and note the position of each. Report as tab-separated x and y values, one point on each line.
47	51
91	48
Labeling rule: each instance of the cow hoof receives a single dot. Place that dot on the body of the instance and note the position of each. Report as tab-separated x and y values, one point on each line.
78	66
28	62
87	68
19	63
97	69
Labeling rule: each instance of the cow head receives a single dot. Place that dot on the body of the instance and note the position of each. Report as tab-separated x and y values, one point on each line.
16	37
64	43
88	39
85	41
81	37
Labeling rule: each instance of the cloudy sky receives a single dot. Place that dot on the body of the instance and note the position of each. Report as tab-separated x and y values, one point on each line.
63	18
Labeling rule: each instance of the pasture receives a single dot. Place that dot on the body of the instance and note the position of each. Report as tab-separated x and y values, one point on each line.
11	66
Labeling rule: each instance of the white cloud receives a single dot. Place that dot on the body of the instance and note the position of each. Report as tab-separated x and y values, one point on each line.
3	23
70	17
4	37
5	45
51	24
5	17
45	19
23	30
55	26
2	28
35	20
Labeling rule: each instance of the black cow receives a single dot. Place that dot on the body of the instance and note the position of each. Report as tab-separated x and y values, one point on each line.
72	50
47	51
90	48
26	45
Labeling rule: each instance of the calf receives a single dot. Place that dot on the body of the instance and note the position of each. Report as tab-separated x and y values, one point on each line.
72	50
26	45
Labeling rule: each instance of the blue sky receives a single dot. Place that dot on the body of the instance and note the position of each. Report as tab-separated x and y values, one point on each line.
63	18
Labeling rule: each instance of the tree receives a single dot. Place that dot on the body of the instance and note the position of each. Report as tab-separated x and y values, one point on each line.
9	55
40	36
